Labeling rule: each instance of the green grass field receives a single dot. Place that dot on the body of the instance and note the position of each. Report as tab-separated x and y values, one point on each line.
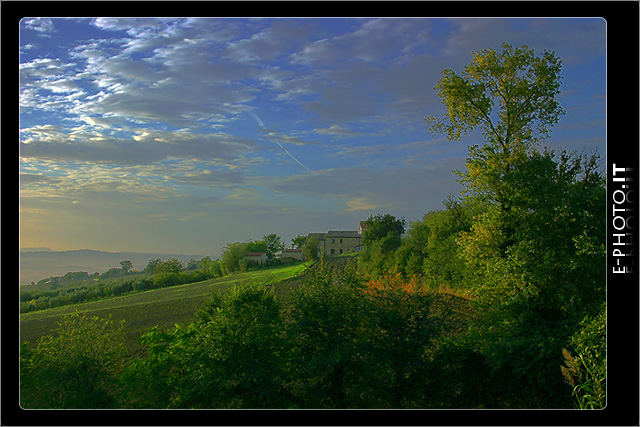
164	306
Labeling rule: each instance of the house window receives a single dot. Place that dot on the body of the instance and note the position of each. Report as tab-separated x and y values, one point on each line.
340	240
333	240
333	251
340	250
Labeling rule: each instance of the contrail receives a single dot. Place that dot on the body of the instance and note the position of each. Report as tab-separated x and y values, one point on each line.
257	119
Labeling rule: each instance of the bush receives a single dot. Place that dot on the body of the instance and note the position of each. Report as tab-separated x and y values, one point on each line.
142	284
358	345
229	358
587	371
163	279
77	368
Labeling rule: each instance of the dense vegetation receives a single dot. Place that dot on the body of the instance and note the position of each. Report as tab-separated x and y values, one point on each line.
524	244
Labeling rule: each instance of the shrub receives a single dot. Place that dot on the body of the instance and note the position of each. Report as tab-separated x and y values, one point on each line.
165	279
229	358
586	372
76	368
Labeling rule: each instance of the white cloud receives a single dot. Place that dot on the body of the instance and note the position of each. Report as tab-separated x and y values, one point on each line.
41	25
55	143
360	204
334	129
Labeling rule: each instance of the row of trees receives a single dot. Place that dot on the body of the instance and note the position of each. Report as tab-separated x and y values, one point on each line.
234	253
157	274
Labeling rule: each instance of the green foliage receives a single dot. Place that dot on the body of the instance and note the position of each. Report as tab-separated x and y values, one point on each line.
233	253
587	371
298	241
398	330
72	276
126	266
273	245
355	344
77	368
535	256
165	278
381	237
74	292
544	244
112	272
536	264
430	249
229	358
213	268
384	228
151	265
322	334
511	95
310	249
257	246
172	265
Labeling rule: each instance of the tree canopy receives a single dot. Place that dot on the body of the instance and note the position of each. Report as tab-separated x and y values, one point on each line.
273	244
298	241
511	95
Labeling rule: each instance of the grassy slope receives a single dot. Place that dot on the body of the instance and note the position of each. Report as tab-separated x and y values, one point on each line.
164	307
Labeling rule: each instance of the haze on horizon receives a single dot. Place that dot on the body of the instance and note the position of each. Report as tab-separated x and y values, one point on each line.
181	135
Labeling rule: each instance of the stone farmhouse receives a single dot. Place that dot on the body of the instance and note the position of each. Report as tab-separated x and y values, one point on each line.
334	243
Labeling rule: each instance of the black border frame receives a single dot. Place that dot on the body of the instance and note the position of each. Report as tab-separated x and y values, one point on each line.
622	149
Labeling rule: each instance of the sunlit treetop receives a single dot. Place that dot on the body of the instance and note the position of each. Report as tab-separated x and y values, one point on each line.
511	95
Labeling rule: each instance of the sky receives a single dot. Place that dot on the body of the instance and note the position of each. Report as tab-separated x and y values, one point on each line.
182	135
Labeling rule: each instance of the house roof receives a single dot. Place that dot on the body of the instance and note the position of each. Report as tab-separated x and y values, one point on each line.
339	233
255	254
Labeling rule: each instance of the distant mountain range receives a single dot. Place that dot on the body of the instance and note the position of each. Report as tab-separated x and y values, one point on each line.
40	263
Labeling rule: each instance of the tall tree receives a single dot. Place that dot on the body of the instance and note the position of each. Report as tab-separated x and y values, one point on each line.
298	241
512	96
522	86
151	265
274	245
310	248
172	265
536	254
233	253
126	266
380	227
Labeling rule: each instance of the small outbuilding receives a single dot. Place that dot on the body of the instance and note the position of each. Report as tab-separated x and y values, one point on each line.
256	257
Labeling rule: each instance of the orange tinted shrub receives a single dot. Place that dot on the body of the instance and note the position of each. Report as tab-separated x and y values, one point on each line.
394	282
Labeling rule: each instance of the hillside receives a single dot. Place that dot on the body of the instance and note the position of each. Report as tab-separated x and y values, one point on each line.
39	264
164	306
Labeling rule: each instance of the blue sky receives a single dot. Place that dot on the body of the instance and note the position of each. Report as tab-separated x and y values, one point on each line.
181	135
